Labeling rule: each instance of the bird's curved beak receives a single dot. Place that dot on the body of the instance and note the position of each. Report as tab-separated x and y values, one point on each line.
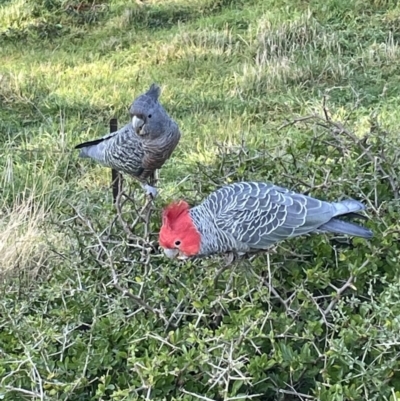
137	124
171	253
174	253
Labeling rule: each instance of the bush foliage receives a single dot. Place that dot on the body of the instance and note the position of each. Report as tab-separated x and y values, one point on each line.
305	96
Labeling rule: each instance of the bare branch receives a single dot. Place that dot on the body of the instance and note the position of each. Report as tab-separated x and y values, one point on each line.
347	284
299	395
200	397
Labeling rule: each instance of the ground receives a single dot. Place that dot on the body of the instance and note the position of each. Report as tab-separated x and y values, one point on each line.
304	94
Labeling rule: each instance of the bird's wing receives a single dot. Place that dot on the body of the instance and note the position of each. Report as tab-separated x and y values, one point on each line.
261	214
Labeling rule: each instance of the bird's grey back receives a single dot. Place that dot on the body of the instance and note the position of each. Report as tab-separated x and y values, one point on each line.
260	214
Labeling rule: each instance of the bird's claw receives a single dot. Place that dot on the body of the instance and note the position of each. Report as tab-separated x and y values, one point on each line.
150	191
229	258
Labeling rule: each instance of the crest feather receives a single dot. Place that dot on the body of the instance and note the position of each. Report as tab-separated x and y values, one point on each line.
173	211
154	91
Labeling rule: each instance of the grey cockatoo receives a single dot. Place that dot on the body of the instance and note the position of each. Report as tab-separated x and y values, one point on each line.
251	216
142	146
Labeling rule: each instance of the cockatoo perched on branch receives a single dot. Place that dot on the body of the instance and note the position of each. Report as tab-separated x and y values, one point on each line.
142	146
251	216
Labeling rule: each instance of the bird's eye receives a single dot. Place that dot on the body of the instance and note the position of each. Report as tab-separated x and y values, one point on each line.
149	116
177	243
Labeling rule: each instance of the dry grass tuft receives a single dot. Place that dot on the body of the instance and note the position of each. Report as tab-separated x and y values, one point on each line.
25	243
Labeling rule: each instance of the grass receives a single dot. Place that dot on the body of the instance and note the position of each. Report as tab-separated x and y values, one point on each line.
232	73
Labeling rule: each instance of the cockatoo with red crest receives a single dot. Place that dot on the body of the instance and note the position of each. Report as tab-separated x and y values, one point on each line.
251	216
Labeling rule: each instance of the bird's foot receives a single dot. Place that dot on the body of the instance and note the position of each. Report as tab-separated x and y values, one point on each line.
150	191
229	258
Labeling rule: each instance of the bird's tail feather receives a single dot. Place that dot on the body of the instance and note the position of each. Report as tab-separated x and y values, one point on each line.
95	152
348	206
89	143
353	215
343	227
89	149
84	152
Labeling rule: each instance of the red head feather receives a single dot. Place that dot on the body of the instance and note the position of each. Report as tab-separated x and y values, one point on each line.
178	230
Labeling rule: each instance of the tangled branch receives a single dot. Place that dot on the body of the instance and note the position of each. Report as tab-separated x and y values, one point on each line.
338	131
141	242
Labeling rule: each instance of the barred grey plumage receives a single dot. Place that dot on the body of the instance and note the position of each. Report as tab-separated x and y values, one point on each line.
140	147
249	216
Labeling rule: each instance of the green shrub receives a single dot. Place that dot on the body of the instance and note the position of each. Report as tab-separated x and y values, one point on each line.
304	95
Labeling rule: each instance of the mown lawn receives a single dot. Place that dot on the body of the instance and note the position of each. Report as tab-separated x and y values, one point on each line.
240	78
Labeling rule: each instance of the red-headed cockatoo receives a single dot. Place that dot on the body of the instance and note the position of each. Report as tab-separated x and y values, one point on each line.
251	216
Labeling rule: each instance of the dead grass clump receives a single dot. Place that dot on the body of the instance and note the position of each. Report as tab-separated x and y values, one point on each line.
25	243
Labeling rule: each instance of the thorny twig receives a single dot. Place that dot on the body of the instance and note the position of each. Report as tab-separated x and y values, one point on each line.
116	184
312	186
337	129
147	209
115	280
137	299
297	394
339	292
268	283
198	396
